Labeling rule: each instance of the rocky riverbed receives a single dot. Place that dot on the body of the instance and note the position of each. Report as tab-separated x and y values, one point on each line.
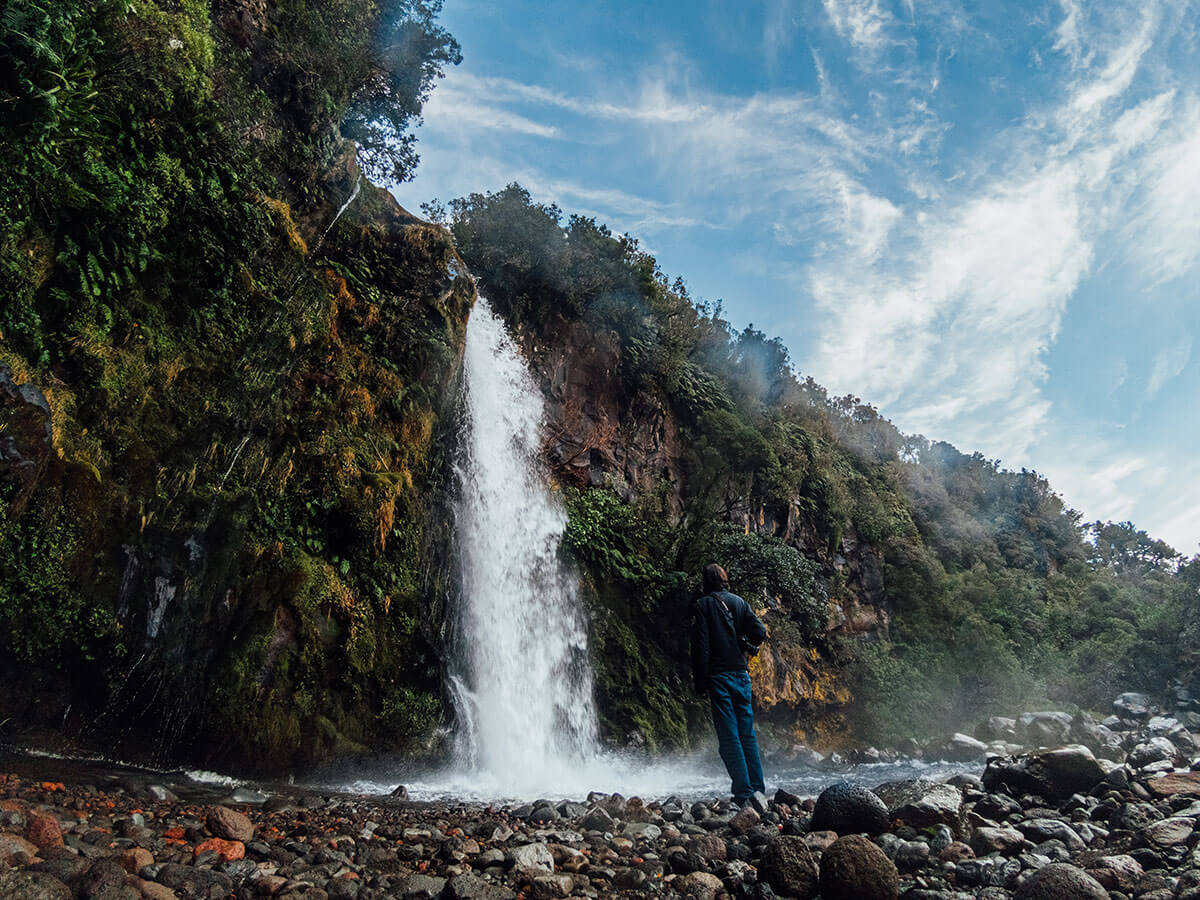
1109	812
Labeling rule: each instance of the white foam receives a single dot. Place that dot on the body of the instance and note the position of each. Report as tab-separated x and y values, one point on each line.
202	776
694	777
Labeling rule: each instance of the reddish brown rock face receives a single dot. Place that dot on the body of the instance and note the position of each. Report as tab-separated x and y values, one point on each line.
1185	783
44	831
227	850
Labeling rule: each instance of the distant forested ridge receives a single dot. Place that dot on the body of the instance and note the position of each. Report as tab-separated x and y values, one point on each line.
229	404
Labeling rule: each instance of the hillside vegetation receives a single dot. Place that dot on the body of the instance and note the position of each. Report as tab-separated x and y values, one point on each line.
910	588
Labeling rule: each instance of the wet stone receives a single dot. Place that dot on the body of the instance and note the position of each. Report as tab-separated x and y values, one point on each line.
422	887
912	855
549	887
853	868
699	886
44	831
745	819
1168	833
1121	872
642	831
472	887
33	886
532	857
229	824
68	869
1039	830
1060	881
789	867
850	809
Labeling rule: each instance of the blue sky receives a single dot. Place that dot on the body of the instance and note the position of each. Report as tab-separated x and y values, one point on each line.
983	218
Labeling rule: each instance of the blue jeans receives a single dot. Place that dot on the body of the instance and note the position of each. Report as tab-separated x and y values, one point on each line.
733	718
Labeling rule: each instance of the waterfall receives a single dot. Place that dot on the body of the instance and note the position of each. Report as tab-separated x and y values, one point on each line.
520	676
519	672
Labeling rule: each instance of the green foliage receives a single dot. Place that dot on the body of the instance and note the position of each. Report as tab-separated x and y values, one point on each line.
997	597
770	574
245	416
407	57
410	714
44	616
618	539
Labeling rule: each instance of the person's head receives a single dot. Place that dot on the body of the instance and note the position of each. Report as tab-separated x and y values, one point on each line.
715	579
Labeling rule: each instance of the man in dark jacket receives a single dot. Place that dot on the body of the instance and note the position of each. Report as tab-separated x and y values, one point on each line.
721	623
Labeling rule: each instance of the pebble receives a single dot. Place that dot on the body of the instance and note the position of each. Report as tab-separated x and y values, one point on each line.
1024	827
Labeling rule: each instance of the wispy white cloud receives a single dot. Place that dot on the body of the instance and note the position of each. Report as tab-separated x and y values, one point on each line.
1113	80
1067	39
1108	484
1168	363
1163	235
865	24
467	110
779	30
948	324
956	328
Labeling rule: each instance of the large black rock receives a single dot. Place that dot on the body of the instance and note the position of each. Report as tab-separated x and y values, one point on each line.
789	867
853	868
1060	881
1055	774
849	809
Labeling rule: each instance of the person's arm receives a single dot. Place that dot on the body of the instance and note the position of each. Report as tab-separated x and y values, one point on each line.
753	628
699	651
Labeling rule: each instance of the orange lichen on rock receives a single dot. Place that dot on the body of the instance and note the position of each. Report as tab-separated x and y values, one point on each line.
227	850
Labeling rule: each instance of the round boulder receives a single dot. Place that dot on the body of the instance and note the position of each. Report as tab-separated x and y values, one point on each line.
1060	881
1132	706
853	868
229	824
1044	729
1154	750
44	831
699	886
789	867
923	803
849	809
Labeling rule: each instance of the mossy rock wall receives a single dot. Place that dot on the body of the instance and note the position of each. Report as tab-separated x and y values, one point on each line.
226	412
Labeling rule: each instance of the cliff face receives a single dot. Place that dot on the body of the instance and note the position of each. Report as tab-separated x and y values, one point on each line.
223	423
604	434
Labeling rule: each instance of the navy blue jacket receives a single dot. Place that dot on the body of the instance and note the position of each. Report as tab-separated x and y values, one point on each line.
714	641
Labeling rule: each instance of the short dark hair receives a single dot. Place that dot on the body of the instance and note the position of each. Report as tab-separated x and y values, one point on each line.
715	578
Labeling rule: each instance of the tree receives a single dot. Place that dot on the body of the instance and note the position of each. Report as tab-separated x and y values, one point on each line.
409	52
1125	548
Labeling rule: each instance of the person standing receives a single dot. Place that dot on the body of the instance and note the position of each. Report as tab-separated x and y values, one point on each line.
724	628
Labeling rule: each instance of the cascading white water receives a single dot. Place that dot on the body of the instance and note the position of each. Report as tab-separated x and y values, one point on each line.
521	678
